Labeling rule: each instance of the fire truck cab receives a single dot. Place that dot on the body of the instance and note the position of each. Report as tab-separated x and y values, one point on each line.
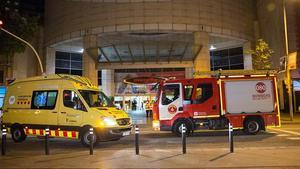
248	102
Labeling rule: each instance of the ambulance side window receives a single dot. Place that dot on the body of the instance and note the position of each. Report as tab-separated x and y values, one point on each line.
43	99
72	100
170	93
203	93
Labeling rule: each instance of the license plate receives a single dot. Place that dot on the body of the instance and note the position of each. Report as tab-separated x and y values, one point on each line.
126	133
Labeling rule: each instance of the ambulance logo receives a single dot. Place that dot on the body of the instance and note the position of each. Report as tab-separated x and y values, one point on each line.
172	109
11	99
260	87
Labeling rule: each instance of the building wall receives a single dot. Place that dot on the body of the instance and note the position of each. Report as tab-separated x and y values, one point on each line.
270	20
293	24
65	19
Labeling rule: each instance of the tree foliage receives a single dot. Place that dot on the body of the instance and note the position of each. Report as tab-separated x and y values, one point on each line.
18	23
261	55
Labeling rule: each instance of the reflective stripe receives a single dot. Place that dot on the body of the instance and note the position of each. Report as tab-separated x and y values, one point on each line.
41	132
74	134
65	133
54	133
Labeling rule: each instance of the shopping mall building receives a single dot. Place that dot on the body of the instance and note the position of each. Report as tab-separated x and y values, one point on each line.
110	41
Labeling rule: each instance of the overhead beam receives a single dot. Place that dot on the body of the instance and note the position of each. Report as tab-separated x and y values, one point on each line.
184	51
130	53
148	65
116	51
105	56
157	52
170	51
144	52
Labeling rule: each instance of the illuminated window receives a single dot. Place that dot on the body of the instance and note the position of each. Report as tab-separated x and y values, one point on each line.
68	63
227	59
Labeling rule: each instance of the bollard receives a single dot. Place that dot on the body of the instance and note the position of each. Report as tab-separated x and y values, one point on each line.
91	141
4	132
230	133
137	132
183	133
47	132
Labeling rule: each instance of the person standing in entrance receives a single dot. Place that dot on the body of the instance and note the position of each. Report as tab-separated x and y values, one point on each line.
148	108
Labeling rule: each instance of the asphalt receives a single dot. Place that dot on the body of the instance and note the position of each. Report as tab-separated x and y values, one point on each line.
286	119
275	148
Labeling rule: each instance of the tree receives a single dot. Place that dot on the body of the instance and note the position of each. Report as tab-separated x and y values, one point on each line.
17	22
261	55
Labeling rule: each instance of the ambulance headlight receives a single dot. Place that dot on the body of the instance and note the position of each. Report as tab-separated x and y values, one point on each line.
110	122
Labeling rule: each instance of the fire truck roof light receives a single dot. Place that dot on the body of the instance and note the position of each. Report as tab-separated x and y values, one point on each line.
258	75
237	76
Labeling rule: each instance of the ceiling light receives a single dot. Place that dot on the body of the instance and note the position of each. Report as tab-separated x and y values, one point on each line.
212	47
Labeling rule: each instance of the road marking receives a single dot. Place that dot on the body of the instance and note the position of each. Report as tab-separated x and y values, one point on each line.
272	132
293	138
283	135
287	131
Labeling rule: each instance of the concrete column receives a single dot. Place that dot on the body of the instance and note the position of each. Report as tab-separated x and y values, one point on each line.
201	51
247	57
108	82
90	56
189	72
50	60
24	64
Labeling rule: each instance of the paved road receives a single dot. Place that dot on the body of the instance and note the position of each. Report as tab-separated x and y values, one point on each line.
277	147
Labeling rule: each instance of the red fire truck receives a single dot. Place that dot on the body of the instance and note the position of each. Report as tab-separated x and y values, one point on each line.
248	102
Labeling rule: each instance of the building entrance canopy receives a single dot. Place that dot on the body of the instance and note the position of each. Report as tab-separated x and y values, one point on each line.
147	47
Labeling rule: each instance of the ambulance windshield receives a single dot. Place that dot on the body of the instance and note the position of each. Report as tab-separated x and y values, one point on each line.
96	99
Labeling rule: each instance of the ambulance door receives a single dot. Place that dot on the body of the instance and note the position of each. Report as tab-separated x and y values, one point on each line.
71	109
170	101
44	108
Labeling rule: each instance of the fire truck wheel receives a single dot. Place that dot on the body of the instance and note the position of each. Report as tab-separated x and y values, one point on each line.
17	133
177	129
252	126
85	137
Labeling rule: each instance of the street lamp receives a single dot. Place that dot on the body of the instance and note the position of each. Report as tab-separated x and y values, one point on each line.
27	43
288	71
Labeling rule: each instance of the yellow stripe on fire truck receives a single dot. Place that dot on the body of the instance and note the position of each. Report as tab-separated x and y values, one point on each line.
53	133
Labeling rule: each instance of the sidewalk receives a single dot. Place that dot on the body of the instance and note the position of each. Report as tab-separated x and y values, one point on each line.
267	157
285	118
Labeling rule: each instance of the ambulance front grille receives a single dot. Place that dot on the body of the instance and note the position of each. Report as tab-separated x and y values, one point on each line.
123	122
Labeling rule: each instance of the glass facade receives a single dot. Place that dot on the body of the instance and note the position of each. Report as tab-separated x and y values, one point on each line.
1	76
68	63
2	94
227	59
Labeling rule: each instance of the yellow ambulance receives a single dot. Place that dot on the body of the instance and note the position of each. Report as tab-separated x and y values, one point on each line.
68	105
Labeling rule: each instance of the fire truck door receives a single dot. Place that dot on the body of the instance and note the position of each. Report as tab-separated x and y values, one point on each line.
205	100
170	101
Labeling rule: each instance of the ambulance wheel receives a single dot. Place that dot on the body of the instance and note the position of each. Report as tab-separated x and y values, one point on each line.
85	137
177	128
252	126
18	134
